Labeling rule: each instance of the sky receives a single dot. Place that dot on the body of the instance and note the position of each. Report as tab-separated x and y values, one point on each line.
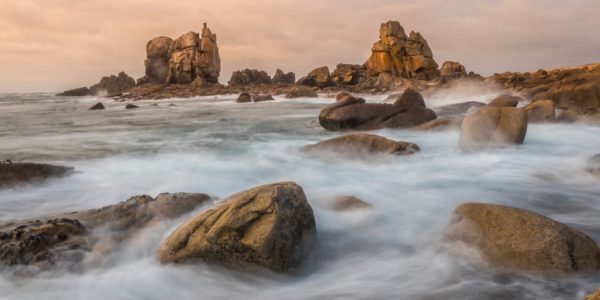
54	45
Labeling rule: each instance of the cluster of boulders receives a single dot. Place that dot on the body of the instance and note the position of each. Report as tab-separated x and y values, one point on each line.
109	86
257	77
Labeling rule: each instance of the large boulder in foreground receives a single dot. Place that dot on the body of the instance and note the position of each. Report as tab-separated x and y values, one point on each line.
270	226
361	146
351	113
493	127
67	239
515	239
13	173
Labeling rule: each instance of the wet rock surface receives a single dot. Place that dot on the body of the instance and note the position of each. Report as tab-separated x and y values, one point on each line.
492	126
14	173
361	146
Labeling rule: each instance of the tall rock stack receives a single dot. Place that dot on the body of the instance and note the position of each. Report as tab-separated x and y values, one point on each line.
189	57
397	55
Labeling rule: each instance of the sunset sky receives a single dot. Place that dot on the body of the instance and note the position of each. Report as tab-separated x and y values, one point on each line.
53	45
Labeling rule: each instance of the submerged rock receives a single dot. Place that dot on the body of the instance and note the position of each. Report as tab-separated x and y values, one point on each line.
82	91
13	173
299	91
515	239
457	108
361	146
349	203
493	127
131	106
350	113
97	106
244	98
270	226
505	101
262	98
540	111
454	122
594	165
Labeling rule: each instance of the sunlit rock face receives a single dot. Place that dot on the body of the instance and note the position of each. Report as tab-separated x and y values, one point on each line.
396	55
183	60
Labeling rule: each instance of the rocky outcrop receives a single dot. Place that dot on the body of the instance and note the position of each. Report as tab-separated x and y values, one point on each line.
360	146
14	173
349	203
157	60
453	69
249	77
113	85
97	106
540	111
270	226
493	127
515	239
283	78
589	115
577	87
397	55
348	74
192	55
351	113
67	239
299	91
318	77
82	91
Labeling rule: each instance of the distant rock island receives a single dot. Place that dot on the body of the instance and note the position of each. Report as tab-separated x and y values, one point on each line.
190	66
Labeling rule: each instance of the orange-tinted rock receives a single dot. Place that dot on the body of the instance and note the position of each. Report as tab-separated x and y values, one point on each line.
493	127
540	111
360	146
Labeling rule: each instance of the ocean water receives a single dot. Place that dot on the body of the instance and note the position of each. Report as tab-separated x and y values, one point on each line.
215	146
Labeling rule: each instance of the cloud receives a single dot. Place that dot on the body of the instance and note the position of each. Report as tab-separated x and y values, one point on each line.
52	45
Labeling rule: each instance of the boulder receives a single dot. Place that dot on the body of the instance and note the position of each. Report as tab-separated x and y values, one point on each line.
83	91
283	78
580	115
13	173
262	98
505	101
243	98
342	95
594	296
515	239
493	127
157	60
540	111
131	106
299	91
457	108
454	122
270	226
349	203
68	238
347	74
113	85
350	113
360	146
194	55
397	55
249	77
97	106
452	69
318	77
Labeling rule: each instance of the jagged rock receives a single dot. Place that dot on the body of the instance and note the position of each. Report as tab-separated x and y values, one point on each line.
83	91
350	113
131	106
244	98
452	69
157	60
113	85
457	108
299	91
318	77
66	239
97	106
13	173
261	98
493	127
516	239
577	87
360	146
540	111
249	77
349	203
270	226
283	78
347	74
192	55
397	55
505	101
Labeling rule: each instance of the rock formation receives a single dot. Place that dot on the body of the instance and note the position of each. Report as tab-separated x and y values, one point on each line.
108	86
300	91
347	74
452	69
270	226
283	78
515	239
351	113
244	98
157	60
397	55
493	127
540	111
249	77
319	77
349	203
360	146
97	106
13	173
